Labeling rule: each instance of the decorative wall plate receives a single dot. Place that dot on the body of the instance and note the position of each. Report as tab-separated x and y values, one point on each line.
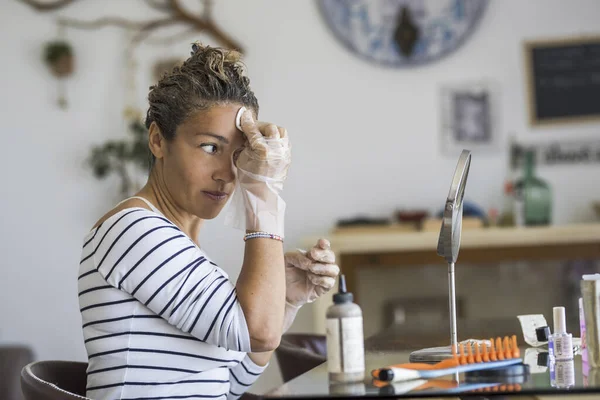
402	33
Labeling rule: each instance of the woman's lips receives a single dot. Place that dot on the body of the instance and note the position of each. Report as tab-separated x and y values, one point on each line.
216	196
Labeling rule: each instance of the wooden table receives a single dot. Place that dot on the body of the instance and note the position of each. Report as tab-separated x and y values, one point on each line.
389	247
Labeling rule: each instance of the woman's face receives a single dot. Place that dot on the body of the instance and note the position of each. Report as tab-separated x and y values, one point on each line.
198	167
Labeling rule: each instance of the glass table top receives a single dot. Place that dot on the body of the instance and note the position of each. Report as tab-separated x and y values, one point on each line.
542	377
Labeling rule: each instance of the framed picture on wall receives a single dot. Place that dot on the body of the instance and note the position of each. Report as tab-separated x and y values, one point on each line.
468	117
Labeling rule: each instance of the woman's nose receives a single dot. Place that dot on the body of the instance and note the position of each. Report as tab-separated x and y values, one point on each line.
226	171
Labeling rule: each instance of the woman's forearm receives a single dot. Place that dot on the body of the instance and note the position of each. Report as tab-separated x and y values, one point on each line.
262	359
261	292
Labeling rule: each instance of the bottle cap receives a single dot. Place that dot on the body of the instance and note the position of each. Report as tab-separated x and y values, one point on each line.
342	296
560	325
542	333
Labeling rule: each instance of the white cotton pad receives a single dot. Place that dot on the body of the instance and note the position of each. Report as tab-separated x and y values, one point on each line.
238	118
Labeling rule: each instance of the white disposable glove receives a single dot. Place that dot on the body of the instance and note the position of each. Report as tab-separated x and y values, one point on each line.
309	275
262	168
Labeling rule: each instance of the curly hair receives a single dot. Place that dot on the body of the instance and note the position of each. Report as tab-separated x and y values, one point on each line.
210	76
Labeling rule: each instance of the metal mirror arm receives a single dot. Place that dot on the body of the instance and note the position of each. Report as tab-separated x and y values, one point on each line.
450	232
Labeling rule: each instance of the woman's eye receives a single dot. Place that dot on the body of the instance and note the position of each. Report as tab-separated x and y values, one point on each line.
209	148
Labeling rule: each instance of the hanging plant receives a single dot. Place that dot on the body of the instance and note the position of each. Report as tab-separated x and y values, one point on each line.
122	157
59	57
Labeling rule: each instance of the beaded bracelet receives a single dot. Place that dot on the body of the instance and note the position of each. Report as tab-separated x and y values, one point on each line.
254	235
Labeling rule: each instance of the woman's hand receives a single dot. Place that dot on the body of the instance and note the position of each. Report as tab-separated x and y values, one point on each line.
261	171
268	153
309	274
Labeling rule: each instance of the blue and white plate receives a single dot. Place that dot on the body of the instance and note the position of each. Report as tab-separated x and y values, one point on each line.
402	33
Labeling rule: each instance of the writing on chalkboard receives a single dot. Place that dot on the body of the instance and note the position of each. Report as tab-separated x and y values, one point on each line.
563	80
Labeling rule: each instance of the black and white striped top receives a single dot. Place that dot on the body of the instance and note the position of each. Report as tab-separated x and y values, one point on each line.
160	320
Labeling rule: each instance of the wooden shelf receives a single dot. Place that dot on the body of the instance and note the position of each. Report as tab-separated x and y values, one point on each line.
394	248
388	239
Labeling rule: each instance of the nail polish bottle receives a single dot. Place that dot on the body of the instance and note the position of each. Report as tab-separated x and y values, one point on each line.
560	343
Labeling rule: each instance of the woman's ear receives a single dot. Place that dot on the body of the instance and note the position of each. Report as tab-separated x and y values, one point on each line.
156	141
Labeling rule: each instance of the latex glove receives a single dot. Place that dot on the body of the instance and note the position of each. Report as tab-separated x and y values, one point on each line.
310	274
268	153
262	167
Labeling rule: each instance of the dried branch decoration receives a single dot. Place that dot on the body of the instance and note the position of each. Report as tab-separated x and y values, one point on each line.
175	13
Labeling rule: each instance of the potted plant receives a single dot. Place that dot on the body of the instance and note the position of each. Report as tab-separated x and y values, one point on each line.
58	55
127	158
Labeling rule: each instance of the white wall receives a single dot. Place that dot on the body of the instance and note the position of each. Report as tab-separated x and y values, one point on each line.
365	138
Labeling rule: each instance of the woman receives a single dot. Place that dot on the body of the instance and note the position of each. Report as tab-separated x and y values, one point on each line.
160	319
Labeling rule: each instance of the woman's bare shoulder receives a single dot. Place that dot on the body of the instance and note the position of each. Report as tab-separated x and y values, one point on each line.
126	204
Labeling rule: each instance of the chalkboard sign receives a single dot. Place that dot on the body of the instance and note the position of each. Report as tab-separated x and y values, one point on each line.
563	80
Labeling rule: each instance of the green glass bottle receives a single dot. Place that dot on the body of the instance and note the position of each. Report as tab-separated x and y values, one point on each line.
533	196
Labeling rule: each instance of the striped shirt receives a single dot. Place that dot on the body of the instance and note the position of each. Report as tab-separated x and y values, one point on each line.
160	319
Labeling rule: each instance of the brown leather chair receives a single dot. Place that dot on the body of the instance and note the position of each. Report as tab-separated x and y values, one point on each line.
300	352
54	380
12	361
